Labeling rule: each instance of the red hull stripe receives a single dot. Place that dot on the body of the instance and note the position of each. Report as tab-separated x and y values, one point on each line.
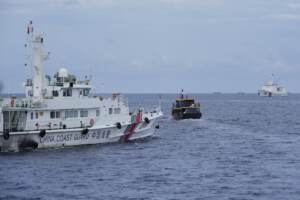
131	128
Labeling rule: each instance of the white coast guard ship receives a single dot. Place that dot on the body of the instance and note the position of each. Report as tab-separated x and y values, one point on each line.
271	88
60	111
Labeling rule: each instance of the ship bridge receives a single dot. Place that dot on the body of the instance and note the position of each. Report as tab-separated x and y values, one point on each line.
63	84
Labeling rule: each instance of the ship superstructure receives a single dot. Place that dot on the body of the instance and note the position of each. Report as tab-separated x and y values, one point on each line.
61	111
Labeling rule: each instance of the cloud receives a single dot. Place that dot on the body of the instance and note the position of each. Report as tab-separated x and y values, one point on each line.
39	6
194	3
177	3
294	5
288	17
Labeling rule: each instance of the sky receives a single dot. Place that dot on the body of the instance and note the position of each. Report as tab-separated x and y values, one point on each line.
157	46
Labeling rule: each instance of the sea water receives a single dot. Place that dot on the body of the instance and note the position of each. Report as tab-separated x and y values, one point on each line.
244	147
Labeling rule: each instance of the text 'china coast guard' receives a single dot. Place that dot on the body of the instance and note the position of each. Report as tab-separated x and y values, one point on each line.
59	111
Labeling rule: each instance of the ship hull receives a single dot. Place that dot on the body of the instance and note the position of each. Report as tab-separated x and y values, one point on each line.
19	141
181	116
264	93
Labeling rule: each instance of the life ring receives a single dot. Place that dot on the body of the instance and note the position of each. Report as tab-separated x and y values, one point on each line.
42	133
147	120
92	122
85	131
6	135
118	125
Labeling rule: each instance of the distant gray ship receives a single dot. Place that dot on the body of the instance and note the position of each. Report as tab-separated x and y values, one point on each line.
271	88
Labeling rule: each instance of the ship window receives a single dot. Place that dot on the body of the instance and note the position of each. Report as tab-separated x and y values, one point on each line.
30	94
110	111
75	113
31	115
71	114
67	92
117	110
97	113
36	115
67	114
52	114
55	93
86	92
84	113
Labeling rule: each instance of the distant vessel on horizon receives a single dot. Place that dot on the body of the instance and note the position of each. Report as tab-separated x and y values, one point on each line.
272	88
241	93
217	93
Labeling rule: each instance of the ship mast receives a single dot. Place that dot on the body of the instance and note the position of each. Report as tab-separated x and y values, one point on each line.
181	95
37	57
